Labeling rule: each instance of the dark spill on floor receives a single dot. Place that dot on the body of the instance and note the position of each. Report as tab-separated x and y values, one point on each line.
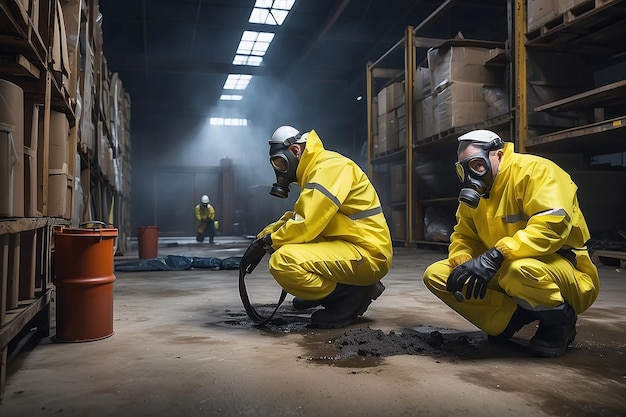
360	345
599	346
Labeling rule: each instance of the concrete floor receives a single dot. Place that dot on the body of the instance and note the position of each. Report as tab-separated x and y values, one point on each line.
183	346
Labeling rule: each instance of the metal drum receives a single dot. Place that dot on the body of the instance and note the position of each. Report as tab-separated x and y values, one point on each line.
83	275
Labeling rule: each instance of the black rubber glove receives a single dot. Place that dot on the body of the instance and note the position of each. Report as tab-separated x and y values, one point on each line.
477	273
255	252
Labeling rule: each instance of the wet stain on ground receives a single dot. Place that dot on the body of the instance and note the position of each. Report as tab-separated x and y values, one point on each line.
287	321
362	346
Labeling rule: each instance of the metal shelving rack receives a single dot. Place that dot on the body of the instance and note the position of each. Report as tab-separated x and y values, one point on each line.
410	149
27	59
594	29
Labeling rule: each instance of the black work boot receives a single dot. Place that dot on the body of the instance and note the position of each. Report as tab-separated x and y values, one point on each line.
520	318
302	304
557	329
345	304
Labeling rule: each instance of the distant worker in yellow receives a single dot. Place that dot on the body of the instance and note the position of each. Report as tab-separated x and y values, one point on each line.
334	247
517	253
205	215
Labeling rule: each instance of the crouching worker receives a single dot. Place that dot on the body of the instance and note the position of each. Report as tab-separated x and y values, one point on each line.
334	247
517	253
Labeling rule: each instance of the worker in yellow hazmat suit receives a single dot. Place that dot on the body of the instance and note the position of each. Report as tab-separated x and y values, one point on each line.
205	215
517	253
334	247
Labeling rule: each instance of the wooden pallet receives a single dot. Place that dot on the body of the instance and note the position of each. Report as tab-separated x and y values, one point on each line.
613	254
568	17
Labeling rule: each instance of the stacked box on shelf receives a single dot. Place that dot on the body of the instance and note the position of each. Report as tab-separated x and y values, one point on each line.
390	98
565	5
72	12
427	108
60	59
31	120
457	75
11	149
548	13
540	12
58	168
421	92
458	104
87	132
374	115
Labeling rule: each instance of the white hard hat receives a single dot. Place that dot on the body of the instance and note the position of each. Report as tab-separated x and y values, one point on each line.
287	135
205	199
488	139
481	135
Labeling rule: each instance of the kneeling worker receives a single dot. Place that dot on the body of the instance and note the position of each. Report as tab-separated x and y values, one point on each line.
334	247
517	253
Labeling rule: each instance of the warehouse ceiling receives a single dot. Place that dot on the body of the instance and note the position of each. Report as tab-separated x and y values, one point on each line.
174	56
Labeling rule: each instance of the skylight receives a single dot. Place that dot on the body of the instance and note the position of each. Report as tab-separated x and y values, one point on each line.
237	81
232	97
270	12
228	121
253	61
254	43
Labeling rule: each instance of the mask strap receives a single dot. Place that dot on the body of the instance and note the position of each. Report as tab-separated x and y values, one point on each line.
290	141
495	143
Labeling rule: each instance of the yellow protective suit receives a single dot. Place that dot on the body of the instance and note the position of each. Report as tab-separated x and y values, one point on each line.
336	232
532	212
204	214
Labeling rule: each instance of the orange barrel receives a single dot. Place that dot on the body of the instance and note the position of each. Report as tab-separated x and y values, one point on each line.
83	275
148	241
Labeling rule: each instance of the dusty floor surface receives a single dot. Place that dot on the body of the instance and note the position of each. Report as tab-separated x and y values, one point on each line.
183	346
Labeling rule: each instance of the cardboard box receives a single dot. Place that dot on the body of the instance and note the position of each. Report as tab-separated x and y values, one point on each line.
392	131
11	149
540	12
57	194
459	104
397	94
460	63
401	111
375	144
422	84
402	138
59	136
566	5
382	134
374	114
428	119
390	97
418	121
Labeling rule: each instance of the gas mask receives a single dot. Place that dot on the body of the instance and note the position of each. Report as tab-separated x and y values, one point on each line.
285	164
477	176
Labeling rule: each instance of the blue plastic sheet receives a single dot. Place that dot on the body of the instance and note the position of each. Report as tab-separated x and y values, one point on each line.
179	263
